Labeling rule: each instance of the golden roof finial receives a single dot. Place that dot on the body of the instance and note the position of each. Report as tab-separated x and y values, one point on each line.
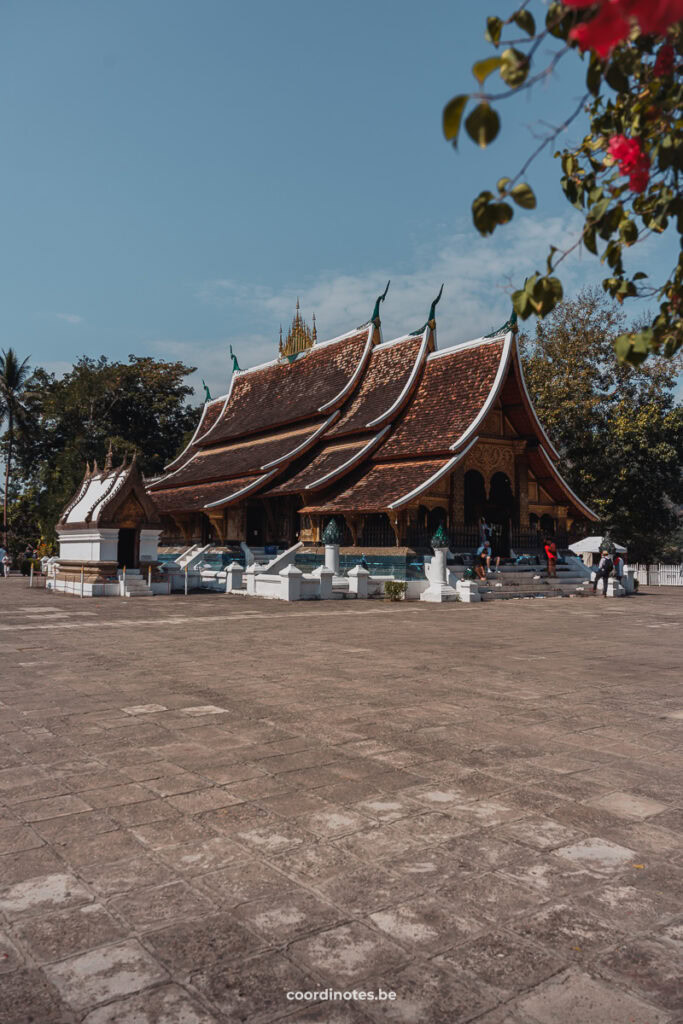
299	336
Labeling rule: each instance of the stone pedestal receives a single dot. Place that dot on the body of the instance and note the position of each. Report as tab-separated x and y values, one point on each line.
332	558
325	576
468	591
614	588
439	588
250	574
291	583
233	577
358	582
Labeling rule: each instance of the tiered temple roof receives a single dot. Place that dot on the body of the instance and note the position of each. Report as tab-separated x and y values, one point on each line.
356	424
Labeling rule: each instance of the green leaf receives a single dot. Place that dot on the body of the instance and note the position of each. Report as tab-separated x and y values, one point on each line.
481	213
628	231
525	20
622	347
639	275
616	78
483	124
549	262
502	184
589	239
502	212
594	75
598	211
452	116
514	67
556	21
483	68
522	304
523	195
494	26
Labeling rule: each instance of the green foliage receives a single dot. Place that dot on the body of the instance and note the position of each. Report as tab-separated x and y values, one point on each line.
139	406
15	378
395	589
633	96
617	428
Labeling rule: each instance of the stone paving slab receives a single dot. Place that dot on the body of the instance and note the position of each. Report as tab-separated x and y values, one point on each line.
207	803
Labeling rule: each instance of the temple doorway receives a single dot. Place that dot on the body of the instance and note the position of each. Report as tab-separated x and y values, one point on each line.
256	525
127	551
500	511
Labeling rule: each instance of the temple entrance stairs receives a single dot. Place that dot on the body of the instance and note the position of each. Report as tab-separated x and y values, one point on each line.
516	581
136	585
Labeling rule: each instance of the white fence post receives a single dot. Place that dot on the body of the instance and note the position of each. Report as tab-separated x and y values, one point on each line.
185	581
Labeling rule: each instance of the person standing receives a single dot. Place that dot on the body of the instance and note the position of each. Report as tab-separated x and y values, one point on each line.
3	552
550	549
5	563
618	568
484	531
604	572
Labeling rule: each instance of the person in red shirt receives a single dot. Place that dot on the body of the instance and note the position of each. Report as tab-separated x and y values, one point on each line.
551	555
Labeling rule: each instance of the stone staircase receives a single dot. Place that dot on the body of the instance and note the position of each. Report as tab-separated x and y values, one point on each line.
136	585
517	581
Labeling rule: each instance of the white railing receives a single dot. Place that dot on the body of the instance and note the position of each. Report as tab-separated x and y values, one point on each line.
658	575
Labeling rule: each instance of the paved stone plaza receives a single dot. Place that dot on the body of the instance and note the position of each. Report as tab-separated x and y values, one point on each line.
209	802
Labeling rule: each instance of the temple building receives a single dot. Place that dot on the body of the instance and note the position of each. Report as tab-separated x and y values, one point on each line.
390	438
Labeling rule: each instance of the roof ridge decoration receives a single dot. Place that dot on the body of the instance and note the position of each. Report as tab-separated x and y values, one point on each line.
374	319
235	365
431	319
509	325
207	393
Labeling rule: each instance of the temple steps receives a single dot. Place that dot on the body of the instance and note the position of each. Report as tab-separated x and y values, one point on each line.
136	585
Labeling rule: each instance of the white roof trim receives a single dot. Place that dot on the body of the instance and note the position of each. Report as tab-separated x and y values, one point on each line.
350	384
356	457
225	405
564	483
306	443
460	347
394	341
538	423
407	388
492	395
244	490
434	477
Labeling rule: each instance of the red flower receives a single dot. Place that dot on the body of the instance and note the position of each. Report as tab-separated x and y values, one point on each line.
633	162
614	19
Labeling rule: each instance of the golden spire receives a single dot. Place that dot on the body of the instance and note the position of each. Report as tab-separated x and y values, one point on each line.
315	330
299	336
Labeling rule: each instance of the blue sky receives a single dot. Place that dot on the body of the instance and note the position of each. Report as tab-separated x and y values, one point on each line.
175	173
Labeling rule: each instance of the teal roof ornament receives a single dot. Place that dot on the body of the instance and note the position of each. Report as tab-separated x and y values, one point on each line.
374	319
235	365
332	533
207	393
440	538
431	319
509	325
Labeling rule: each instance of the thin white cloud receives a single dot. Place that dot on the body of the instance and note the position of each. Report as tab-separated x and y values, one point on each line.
70	318
479	275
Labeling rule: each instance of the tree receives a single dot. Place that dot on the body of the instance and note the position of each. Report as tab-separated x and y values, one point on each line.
624	176
14	380
139	407
618	429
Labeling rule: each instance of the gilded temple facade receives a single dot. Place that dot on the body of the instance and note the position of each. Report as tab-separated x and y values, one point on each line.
389	438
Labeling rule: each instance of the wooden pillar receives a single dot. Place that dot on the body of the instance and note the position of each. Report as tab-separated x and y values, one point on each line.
217	520
183	521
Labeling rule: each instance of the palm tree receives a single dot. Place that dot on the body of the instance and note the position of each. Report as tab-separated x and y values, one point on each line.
14	377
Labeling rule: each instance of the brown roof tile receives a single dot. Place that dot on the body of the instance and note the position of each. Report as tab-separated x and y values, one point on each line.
196	496
453	389
235	460
282	393
378	485
386	375
328	459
